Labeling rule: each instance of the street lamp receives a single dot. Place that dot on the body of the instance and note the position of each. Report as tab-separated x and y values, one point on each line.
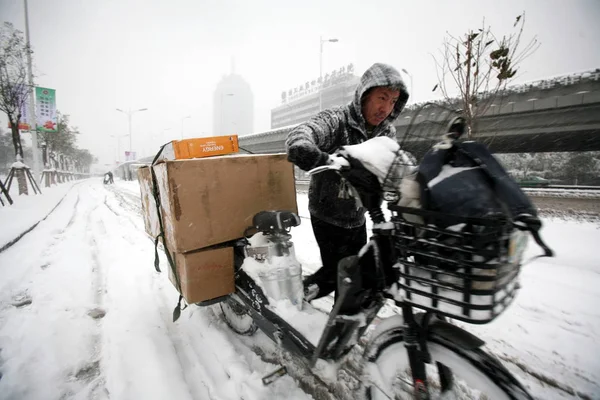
321	69
129	114
222	95
32	119
183	119
411	83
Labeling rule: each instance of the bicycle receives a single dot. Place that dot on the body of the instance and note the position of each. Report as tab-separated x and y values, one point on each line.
468	274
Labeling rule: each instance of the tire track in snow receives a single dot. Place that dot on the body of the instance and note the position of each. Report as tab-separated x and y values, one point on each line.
544	378
89	373
12	242
215	356
186	362
194	365
126	206
182	340
10	283
133	323
128	200
99	283
207	356
58	310
93	371
259	345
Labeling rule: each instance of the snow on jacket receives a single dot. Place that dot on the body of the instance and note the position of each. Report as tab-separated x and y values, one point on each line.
309	145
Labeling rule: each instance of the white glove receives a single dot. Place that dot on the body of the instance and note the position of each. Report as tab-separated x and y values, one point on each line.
337	162
379	155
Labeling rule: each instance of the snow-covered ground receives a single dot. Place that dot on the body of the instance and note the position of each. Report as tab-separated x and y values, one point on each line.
83	314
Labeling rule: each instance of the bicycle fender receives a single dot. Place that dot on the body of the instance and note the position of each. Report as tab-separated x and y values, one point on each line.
454	334
391	330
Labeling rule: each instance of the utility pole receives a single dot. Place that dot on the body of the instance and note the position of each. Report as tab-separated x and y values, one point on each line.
32	113
129	115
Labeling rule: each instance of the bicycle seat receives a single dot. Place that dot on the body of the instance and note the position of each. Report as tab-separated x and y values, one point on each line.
275	221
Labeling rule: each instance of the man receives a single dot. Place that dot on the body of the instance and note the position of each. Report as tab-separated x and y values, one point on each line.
338	224
108	178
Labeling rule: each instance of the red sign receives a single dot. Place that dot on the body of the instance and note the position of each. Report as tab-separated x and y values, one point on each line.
22	126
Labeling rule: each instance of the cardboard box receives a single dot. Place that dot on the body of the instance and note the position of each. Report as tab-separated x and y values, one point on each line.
204	274
212	200
200	147
149	213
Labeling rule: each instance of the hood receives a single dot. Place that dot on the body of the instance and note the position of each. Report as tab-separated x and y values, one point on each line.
379	75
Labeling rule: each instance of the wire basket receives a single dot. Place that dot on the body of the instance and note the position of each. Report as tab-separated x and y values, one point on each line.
467	271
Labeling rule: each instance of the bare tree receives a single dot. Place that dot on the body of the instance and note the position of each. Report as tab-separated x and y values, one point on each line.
480	66
14	88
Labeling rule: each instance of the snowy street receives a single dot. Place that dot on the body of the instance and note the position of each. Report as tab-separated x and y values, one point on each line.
90	256
84	315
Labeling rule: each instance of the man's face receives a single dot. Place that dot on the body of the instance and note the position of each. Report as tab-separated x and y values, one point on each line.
379	104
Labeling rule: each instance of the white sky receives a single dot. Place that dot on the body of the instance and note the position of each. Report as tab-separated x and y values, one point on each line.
168	56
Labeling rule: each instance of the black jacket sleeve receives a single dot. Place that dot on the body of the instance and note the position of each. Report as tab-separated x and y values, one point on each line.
309	144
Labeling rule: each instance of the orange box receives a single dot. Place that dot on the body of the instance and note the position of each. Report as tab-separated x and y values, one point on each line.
200	147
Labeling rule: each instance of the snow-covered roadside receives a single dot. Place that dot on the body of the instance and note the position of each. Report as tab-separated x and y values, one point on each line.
553	328
28	210
48	345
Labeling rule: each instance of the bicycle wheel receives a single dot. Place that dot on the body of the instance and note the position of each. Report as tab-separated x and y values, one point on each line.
237	316
477	374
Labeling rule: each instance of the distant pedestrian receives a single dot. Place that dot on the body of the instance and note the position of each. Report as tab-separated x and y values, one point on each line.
108	178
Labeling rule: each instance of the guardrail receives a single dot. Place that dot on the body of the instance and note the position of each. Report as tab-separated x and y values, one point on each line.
567	187
303	183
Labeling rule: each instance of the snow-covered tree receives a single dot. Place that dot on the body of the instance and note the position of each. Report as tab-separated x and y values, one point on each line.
14	88
580	167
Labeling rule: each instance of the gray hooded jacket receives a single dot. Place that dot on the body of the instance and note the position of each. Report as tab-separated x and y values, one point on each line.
309	144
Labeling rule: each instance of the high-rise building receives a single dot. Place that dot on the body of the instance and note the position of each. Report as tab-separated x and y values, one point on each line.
301	103
233	106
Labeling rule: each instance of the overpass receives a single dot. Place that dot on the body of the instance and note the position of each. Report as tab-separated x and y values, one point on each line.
553	115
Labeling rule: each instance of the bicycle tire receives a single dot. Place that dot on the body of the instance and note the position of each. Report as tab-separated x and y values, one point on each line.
485	374
237	316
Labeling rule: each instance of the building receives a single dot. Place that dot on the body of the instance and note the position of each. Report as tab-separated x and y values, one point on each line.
301	103
233	107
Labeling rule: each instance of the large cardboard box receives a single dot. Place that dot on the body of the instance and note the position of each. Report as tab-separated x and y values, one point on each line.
212	200
204	274
149	213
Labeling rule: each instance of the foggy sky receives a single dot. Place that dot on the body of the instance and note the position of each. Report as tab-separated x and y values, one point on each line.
168	56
